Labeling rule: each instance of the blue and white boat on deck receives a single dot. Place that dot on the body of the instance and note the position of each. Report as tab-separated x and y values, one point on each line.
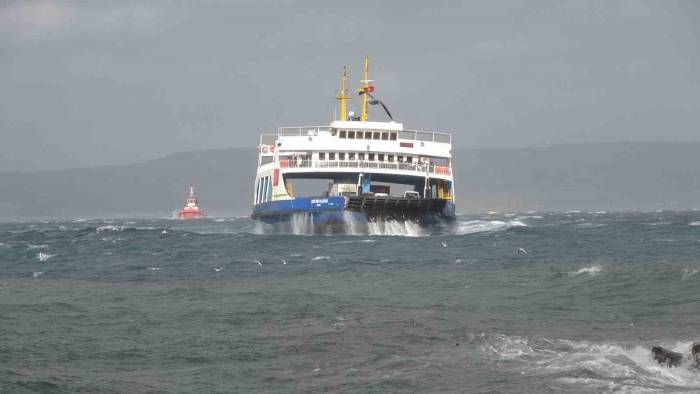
375	171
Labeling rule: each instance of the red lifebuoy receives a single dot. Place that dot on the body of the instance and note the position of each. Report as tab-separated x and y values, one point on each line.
264	149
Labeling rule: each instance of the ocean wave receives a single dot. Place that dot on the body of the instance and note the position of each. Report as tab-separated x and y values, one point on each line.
351	242
480	226
44	256
694	223
319	258
593	270
612	366
32	246
657	223
590	225
688	272
110	228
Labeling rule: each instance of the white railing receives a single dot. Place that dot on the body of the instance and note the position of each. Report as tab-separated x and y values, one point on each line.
422	168
407	135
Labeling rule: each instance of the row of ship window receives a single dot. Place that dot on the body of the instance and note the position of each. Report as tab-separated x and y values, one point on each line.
365	156
263	190
365	135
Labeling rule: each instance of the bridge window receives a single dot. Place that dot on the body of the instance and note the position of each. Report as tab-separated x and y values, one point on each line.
380	156
376	135
342	133
399	159
368	135
390	158
392	136
409	159
341	156
351	134
351	156
322	155
385	136
371	156
361	156
331	155
359	135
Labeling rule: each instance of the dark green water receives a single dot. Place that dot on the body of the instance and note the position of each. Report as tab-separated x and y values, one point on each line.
211	306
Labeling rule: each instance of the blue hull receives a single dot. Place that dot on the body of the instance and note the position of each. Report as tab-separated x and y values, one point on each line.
329	214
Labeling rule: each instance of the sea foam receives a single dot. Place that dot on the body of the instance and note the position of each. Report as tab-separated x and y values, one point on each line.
480	226
591	366
593	270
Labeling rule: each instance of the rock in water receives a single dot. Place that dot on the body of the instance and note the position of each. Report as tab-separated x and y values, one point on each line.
695	353
665	356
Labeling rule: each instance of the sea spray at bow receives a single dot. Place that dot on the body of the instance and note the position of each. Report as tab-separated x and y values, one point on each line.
386	307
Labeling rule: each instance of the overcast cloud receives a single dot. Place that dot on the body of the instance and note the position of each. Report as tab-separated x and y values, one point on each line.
87	83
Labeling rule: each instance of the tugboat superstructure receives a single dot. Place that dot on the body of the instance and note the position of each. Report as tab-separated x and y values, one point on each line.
362	160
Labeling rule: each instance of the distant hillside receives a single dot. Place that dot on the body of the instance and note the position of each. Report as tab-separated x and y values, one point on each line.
154	188
606	176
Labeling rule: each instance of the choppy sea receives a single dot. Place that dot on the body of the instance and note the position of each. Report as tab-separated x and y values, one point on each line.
513	303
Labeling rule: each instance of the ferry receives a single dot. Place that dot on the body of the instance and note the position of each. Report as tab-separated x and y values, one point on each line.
191	209
375	170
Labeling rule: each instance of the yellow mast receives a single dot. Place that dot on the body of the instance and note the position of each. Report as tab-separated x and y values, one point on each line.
365	90
343	96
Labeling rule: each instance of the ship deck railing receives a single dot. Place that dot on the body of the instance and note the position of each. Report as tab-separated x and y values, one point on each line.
417	167
408	135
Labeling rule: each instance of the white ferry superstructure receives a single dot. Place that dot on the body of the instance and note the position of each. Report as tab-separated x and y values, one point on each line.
362	160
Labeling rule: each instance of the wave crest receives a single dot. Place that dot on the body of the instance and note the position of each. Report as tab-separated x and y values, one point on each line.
616	367
480	226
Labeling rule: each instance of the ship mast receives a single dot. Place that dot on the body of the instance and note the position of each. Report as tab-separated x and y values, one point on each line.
343	96
366	88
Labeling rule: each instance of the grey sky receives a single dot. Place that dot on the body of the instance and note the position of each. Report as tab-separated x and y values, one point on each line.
86	83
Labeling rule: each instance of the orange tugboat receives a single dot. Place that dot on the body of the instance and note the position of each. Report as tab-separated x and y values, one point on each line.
191	209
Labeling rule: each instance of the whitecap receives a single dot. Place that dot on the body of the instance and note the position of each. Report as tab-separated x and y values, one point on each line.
590	225
32	246
319	258
694	223
657	223
615	366
352	242
37	274
593	270
43	256
479	226
687	273
109	228
153	268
